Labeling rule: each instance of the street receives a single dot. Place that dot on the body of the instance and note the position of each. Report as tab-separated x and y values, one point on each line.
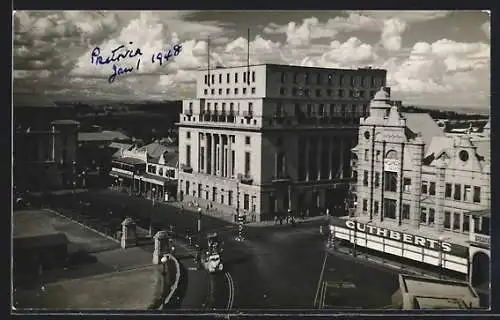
274	267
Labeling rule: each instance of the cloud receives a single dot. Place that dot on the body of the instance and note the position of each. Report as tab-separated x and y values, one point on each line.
312	29
52	52
391	34
409	16
444	66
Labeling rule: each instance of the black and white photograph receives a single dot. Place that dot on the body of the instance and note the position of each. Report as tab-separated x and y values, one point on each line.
223	162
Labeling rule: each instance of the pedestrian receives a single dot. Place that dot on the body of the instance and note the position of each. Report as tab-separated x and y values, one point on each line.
281	220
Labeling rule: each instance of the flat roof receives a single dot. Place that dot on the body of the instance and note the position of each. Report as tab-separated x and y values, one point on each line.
293	66
425	286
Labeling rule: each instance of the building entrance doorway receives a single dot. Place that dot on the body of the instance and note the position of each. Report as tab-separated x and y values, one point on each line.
480	270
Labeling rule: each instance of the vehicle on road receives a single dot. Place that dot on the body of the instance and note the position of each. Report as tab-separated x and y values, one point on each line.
211	260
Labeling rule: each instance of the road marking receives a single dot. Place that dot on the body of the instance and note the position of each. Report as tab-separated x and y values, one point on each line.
230	284
319	280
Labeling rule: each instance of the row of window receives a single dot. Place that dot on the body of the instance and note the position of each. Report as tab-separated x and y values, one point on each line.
246	77
233	138
223	107
218	164
466	195
226	197
228	91
320	79
311	110
469	194
160	171
329	93
456	222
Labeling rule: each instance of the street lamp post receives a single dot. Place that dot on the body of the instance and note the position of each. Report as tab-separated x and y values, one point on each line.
239	218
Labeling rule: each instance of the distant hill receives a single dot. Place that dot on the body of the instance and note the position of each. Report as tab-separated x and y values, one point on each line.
450	113
458	109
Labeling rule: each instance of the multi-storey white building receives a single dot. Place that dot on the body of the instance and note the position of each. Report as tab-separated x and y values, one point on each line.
265	139
420	194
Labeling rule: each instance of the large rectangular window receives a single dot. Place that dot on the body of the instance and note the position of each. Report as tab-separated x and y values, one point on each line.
390	181
365	178
188	155
246	201
423	215
424	187
466	223
477	194
390	208
406	211
456	221
447	191
457	193
247	163
447	220
432	216
377	179
432	188
406	184
375	208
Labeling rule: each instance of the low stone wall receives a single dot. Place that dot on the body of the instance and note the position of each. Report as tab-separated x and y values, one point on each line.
173	277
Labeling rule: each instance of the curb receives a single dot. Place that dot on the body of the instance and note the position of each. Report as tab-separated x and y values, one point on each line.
175	284
81	225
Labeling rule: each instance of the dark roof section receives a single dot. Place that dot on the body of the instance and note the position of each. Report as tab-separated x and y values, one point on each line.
129	160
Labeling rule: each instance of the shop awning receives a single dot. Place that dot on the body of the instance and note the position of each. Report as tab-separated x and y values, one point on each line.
119	173
162	181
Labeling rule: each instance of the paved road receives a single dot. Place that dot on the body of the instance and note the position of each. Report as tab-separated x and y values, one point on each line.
275	267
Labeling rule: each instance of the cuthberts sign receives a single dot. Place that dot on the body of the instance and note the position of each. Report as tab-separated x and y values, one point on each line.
418	241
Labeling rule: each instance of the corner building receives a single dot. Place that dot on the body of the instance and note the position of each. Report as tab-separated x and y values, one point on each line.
421	195
263	139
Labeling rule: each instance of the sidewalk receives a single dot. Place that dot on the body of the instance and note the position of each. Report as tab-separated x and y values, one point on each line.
366	258
194	284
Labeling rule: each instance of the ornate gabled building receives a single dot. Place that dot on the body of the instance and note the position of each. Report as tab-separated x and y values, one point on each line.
420	194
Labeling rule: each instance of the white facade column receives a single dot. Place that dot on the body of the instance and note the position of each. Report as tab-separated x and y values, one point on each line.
221	155
212	155
229	160
206	154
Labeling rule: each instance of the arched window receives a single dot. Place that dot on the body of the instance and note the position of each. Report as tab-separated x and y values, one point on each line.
391	154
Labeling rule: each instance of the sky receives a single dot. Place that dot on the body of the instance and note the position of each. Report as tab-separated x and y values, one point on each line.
439	58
